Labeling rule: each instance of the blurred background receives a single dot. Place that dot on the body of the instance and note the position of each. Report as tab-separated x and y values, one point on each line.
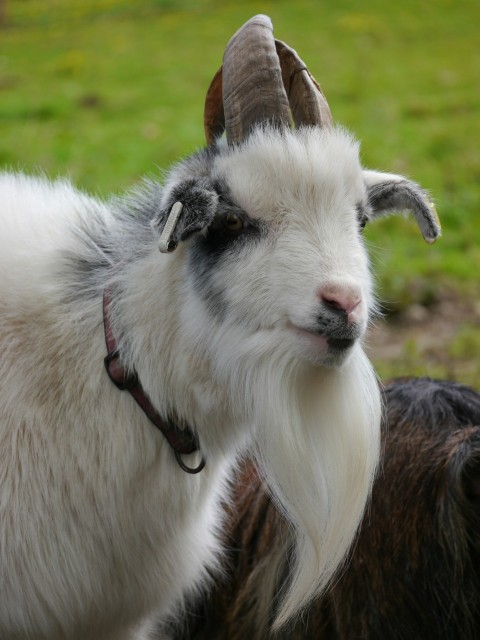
105	91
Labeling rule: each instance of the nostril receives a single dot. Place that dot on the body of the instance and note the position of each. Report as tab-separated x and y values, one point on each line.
334	303
341	300
344	303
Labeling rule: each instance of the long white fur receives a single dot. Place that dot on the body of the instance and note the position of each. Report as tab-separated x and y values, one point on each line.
100	530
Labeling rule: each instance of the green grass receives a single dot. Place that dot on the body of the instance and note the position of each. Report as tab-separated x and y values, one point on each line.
107	90
457	360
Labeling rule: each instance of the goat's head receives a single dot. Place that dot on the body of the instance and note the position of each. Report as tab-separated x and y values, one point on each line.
281	210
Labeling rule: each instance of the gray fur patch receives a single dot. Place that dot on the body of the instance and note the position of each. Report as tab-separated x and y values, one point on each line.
209	251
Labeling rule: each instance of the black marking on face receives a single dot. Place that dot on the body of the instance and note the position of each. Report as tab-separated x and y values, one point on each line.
333	324
229	234
336	328
340	345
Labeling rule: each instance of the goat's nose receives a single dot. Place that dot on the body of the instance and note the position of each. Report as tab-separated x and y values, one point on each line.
342	298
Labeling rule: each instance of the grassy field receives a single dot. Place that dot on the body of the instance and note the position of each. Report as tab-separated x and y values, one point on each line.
105	91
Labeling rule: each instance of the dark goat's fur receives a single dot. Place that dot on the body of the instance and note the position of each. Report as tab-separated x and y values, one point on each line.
415	571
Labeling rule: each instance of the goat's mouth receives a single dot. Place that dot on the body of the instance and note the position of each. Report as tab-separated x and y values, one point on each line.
324	346
315	339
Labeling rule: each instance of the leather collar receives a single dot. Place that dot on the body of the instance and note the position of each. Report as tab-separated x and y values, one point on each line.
182	441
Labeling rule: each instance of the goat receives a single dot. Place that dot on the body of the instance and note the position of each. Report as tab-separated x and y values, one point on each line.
415	568
243	333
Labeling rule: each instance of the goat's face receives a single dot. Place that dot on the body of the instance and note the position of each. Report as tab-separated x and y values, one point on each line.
305	273
282	251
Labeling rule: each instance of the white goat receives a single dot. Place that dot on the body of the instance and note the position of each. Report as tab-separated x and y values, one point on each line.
249	333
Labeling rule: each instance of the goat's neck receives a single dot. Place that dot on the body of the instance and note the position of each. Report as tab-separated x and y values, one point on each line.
175	373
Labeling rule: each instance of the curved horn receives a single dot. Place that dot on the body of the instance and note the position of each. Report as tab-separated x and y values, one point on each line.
253	90
214	115
257	76
307	102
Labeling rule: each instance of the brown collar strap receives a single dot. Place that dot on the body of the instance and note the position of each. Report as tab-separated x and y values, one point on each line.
182	441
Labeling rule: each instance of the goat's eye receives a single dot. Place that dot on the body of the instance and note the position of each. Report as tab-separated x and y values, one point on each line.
232	222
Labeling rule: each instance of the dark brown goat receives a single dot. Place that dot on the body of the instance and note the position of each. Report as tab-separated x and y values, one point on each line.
415	571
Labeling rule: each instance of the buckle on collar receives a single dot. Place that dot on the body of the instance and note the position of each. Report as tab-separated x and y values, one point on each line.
184	467
122	379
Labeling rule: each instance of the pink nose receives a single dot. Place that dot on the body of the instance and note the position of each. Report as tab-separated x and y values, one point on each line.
346	298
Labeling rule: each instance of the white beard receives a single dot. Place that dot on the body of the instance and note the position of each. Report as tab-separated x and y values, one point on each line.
317	433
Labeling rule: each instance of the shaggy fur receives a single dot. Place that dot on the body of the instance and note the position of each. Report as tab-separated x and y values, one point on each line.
415	568
100	530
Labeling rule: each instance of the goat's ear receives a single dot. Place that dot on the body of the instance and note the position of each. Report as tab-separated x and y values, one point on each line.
389	193
188	207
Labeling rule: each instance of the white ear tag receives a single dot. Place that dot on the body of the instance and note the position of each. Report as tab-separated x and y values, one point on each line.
165	244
